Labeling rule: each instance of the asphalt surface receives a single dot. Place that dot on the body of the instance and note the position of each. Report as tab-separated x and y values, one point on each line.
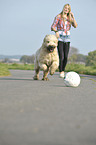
46	112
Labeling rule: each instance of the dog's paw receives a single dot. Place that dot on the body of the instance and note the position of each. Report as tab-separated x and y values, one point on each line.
45	79
52	72
35	78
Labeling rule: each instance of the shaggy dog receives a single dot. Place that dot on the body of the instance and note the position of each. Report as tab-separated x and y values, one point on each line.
46	57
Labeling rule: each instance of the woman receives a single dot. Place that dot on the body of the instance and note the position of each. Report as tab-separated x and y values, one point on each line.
61	26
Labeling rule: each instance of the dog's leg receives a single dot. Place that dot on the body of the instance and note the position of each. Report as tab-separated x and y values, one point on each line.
45	69
45	74
53	67
36	68
36	76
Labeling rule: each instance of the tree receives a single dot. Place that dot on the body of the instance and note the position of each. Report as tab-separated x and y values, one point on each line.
91	58
6	60
81	58
75	56
23	59
72	51
27	59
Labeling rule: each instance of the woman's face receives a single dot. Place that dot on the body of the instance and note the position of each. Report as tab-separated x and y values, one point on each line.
66	9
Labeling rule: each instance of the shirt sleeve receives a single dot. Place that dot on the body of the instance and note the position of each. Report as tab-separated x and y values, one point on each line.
55	22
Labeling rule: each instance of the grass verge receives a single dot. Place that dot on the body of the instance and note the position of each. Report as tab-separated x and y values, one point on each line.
79	68
4	70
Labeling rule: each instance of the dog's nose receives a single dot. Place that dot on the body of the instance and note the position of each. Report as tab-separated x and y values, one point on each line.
51	46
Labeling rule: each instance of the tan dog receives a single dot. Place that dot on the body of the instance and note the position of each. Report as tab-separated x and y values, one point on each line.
46	57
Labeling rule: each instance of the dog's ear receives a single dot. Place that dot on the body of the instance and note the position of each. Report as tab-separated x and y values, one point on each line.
45	38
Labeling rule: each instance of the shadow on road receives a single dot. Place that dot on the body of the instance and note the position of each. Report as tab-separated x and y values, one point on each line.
14	79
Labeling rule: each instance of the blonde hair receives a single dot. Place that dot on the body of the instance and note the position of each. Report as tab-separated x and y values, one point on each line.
69	15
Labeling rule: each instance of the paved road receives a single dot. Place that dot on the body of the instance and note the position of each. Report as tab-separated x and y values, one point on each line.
46	112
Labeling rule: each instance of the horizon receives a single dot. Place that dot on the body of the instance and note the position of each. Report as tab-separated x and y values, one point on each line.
34	54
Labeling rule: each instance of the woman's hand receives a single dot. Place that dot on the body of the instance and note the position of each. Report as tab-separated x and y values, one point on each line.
72	15
57	34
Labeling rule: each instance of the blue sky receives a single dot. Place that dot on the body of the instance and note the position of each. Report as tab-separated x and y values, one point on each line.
24	24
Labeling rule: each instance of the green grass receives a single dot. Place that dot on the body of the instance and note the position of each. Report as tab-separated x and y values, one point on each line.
79	68
4	70
21	66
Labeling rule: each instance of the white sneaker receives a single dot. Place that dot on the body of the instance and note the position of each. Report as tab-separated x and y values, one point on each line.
62	75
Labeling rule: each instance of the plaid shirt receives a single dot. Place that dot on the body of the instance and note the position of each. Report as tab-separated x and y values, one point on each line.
59	24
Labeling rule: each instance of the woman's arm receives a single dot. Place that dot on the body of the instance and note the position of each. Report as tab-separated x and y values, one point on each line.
74	23
54	25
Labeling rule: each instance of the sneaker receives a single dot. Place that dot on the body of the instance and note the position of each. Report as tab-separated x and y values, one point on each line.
62	75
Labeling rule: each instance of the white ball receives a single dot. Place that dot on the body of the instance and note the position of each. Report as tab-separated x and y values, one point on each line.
72	79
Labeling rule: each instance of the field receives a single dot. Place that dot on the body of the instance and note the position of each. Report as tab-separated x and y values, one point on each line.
4	70
79	68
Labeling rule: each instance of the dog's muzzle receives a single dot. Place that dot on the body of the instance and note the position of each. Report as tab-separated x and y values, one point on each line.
50	48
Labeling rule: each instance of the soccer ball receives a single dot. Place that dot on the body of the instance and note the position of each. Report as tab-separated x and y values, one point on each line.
72	79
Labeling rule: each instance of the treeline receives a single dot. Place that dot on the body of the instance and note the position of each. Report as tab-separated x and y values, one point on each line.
74	57
88	60
27	59
91	59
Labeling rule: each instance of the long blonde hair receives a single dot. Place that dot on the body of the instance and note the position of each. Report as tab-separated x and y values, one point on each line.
69	15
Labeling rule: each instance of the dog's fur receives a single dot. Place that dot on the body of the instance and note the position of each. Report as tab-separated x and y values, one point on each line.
46	57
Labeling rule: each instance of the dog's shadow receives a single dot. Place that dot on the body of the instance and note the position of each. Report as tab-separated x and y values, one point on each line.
20	79
31	80
17	79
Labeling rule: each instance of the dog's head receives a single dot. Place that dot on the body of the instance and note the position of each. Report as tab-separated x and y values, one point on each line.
50	42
